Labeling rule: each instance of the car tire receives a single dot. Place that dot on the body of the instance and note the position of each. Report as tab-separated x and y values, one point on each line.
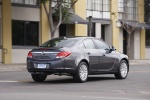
82	73
39	77
122	70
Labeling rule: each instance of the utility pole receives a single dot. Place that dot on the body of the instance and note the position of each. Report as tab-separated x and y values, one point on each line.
90	26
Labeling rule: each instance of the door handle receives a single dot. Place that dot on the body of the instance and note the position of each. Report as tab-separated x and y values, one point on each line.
88	53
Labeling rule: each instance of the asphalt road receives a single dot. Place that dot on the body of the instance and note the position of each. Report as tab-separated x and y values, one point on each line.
18	85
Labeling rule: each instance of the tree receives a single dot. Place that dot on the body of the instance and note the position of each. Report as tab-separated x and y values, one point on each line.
57	12
130	19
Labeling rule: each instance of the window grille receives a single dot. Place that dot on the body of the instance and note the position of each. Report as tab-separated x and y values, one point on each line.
98	9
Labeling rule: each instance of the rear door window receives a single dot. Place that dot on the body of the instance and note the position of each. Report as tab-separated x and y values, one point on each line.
100	44
81	46
60	42
89	44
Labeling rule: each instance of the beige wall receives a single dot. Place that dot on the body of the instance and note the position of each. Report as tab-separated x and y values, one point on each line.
0	31
147	52
135	45
28	14
24	13
0	11
142	32
114	19
80	9
108	34
121	40
19	55
132	49
0	55
98	30
0	27
44	26
6	32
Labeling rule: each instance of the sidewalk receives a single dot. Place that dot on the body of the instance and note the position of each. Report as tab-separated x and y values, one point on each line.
21	67
139	62
12	67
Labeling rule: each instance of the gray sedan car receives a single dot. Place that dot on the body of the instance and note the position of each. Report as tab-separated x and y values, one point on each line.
77	57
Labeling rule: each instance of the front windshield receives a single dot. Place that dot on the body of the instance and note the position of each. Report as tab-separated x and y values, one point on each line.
60	42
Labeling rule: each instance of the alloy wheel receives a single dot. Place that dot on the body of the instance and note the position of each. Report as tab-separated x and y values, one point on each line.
123	69
83	72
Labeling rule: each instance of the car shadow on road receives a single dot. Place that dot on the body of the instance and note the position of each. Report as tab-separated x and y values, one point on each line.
69	80
100	78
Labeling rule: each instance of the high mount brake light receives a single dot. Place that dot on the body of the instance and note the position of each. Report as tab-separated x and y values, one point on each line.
29	55
43	48
63	54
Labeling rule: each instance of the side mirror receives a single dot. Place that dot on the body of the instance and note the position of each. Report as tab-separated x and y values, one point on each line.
113	48
108	51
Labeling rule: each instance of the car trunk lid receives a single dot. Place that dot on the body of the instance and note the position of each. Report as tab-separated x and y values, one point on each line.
52	53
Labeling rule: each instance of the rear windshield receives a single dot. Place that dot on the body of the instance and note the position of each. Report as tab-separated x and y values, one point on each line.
60	42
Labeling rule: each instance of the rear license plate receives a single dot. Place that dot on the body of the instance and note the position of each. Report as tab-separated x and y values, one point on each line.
42	66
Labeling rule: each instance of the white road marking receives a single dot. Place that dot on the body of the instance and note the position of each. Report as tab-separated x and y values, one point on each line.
111	98
7	81
145	92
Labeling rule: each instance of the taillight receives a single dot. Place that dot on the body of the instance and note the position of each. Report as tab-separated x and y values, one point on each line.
63	54
29	55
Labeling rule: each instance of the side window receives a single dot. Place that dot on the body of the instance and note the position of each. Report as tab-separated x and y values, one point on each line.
100	44
81	46
89	44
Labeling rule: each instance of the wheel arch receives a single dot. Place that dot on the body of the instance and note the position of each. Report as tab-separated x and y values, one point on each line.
84	60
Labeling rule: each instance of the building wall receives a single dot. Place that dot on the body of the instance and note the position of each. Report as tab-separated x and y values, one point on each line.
98	30
0	41
0	29
108	34
19	55
121	40
0	32
132	51
70	30
24	13
147	50
27	14
0	55
0	37
135	45
80	9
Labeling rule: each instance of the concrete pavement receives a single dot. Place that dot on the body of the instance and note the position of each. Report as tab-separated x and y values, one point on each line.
12	67
17	67
18	85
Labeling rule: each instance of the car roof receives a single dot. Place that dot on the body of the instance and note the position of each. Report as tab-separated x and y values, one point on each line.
79	37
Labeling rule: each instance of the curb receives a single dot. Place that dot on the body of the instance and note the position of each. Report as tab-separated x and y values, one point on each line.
22	66
12	67
139	62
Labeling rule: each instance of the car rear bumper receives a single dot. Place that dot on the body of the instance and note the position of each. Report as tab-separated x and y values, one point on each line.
52	67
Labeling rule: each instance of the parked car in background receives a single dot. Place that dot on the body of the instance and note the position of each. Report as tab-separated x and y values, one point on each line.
77	57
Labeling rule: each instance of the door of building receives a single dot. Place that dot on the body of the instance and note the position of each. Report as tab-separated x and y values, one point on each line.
103	32
125	34
62	30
